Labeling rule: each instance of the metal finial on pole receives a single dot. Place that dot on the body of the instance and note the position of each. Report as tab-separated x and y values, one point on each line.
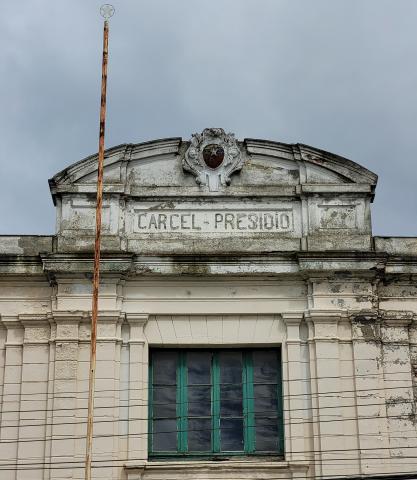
106	12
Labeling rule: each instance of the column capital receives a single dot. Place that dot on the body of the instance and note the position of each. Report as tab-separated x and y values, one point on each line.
69	316
37	328
109	316
10	322
14	329
137	322
324	324
34	320
397	318
292	321
293	318
325	316
137	318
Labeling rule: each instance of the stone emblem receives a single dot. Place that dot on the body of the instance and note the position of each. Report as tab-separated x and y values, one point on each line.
212	157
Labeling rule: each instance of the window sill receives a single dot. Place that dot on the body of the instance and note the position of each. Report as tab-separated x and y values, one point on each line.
202	469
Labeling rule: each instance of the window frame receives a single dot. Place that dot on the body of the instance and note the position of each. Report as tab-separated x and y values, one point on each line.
248	414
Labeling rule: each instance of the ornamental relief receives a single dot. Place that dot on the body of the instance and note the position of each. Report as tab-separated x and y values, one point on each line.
212	157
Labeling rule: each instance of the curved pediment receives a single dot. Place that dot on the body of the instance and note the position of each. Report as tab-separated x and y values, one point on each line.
216	194
160	167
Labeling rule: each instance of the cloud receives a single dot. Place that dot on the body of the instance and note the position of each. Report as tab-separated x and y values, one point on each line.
336	75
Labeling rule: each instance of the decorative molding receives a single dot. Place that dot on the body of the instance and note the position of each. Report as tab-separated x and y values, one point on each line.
325	316
14	330
292	318
10	321
34	320
137	318
37	328
69	316
323	325
397	318
212	157
293	321
137	322
64	263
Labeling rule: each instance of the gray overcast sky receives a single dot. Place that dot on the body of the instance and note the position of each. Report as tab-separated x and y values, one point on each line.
336	74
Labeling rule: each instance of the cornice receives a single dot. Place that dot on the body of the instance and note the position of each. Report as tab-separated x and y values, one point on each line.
303	263
267	263
117	263
12	264
397	318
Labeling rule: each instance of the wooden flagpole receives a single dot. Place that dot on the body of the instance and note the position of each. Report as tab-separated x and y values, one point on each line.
106	11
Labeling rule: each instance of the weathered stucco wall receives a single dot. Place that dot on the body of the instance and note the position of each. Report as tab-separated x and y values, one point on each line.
349	374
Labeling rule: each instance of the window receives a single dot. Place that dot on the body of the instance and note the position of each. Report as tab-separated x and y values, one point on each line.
215	403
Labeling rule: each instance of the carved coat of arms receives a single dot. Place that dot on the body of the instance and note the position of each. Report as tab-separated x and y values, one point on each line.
212	157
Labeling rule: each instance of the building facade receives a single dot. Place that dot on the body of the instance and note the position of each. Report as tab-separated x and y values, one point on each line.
250	325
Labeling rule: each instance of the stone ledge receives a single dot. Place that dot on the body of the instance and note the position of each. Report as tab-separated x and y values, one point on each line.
25	244
396	245
226	469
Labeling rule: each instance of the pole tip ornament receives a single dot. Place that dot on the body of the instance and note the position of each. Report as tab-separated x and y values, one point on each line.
107	11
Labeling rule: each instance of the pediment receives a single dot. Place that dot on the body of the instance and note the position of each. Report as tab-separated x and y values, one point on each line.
216	194
161	166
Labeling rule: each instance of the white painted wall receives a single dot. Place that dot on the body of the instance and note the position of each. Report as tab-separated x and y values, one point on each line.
366	426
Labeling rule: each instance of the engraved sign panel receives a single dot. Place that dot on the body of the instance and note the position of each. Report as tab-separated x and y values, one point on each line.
213	221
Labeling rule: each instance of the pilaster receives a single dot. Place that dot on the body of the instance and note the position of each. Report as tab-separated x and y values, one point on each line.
294	391
9	420
398	376
3	338
34	393
413	355
138	387
370	393
331	427
65	446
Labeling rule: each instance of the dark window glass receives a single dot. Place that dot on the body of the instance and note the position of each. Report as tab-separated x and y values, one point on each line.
231	400
230	367
265	366
266	434
164	401
199	435
164	394
199	368
265	389
231	433
199	401
219	402
165	435
165	368
265	399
